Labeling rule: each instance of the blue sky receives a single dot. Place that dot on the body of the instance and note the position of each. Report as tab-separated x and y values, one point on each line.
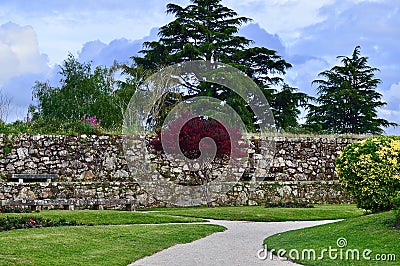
37	35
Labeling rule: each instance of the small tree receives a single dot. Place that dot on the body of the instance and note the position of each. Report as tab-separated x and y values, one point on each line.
82	92
205	143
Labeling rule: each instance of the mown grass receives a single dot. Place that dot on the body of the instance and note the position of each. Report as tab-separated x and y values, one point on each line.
108	217
119	238
374	232
94	245
112	240
262	214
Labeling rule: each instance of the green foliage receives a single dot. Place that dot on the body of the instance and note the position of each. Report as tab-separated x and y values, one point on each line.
108	217
203	30
207	30
7	209
285	105
132	78
347	99
47	126
3	177
396	206
369	170
9	223
83	92
7	144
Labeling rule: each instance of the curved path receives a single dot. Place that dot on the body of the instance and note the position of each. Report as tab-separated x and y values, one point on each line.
238	245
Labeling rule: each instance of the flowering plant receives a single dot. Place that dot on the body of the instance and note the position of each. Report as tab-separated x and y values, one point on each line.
369	170
91	124
10	223
92	121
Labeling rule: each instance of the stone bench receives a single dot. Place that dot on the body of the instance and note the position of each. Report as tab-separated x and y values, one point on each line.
33	177
70	204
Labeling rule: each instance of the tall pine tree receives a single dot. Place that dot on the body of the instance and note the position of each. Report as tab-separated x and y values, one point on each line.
347	99
207	30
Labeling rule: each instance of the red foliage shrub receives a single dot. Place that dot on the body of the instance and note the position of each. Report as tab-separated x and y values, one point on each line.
190	131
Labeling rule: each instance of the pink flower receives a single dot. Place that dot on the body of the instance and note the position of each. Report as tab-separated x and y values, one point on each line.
92	121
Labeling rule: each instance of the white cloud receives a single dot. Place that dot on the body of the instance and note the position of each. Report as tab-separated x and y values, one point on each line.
285	17
63	26
119	50
21	63
303	73
393	92
19	52
391	116
392	98
261	37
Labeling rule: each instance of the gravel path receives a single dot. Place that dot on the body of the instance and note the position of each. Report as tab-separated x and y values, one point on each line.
238	245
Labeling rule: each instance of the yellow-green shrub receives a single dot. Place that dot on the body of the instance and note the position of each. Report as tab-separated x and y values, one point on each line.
396	206
369	171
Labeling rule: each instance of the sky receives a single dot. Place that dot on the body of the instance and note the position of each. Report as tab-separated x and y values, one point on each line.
36	36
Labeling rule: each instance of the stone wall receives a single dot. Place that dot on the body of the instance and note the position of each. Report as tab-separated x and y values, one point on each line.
305	158
91	166
73	158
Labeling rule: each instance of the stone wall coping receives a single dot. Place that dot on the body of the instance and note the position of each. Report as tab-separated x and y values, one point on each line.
300	182
67	201
72	183
132	182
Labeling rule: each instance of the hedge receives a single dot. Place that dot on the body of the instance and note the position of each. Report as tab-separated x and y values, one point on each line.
369	171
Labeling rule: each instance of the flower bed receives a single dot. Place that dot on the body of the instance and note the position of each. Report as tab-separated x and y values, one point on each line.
10	223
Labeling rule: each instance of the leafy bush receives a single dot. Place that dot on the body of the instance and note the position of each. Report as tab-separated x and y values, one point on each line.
369	170
10	223
87	125
90	125
199	138
193	131
396	203
83	90
6	209
15	127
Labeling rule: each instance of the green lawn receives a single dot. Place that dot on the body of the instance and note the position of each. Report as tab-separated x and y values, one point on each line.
108	217
374	232
262	214
94	245
113	240
119	237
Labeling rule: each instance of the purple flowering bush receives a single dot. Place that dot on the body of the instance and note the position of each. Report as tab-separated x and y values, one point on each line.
91	125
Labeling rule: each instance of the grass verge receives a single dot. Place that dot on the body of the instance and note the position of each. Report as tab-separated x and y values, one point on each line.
262	214
94	245
113	244
374	232
107	217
